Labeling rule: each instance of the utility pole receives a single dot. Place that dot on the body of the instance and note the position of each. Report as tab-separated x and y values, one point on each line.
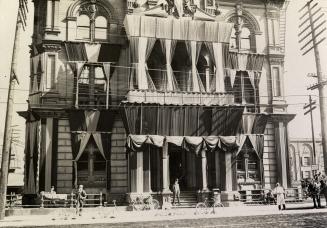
314	27
20	24
311	106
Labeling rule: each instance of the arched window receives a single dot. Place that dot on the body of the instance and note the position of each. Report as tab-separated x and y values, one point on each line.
83	27
245	39
100	28
92	22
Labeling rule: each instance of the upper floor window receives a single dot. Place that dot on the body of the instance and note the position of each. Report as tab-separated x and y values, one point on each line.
276	82
92	23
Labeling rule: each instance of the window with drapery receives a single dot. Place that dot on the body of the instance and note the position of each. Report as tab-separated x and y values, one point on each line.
248	166
91	167
92	23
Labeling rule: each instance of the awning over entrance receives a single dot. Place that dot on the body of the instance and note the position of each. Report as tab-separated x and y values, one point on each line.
154	119
191	144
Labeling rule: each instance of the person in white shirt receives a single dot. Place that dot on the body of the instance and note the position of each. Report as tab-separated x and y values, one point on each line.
280	192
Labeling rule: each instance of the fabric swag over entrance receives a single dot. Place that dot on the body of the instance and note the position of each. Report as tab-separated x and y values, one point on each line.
190	144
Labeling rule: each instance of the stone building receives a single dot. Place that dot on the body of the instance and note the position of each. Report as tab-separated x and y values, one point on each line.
126	96
304	161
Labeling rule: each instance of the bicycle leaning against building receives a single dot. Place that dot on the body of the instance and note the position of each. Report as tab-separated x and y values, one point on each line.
214	202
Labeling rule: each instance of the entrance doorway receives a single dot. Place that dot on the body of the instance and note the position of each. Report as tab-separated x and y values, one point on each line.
182	166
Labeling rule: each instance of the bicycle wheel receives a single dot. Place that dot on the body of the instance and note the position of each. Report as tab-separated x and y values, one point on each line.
155	204
201	208
218	205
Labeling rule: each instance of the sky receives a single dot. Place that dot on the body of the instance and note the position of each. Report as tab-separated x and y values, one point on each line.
295	79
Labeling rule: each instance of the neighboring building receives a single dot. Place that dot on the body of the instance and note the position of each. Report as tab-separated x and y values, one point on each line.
303	162
126	96
16	170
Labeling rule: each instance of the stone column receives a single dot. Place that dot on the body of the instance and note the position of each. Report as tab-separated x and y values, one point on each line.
229	172
281	146
49	24
48	154
217	168
204	171
56	15
136	172
146	171
166	193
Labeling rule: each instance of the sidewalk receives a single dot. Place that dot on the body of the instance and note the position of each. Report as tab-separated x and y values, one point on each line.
110	216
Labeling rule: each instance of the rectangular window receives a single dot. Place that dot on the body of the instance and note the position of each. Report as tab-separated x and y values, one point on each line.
306	174
305	161
276	82
51	72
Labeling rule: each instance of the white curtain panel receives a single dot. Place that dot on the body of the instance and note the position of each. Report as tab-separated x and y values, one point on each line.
140	50
164	28
148	26
168	48
193	50
84	141
211	31
242	61
92	52
225	31
98	142
251	74
132	25
216	52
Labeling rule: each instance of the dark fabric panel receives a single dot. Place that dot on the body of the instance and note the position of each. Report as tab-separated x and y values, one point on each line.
260	123
54	153
35	152
191	121
149	120
75	51
177	121
205	121
219	116
77	120
106	121
109	53
27	152
42	156
233	121
164	121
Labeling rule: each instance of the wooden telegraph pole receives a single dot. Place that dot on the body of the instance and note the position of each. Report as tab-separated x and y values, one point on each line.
313	29
310	107
20	24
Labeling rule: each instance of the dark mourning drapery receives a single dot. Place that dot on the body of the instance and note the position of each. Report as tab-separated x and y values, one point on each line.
181	120
86	124
189	143
32	151
254	123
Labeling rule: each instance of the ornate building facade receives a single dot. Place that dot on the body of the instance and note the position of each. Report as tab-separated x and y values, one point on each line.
304	161
126	96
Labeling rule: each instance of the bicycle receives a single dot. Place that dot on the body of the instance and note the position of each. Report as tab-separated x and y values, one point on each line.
203	207
140	204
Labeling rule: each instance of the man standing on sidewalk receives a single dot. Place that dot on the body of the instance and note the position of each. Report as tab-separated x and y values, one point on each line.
279	191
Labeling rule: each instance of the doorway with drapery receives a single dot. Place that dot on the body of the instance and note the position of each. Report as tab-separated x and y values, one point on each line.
92	127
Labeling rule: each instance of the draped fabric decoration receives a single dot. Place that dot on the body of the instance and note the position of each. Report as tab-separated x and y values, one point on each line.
216	53
87	124
182	29
181	120
254	123
194	82
190	144
169	80
257	142
249	62
140	48
92	52
107	69
32	153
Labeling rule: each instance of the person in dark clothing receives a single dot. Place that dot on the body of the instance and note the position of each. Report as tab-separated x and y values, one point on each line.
80	197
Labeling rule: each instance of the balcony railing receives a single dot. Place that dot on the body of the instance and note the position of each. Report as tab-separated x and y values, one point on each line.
179	98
